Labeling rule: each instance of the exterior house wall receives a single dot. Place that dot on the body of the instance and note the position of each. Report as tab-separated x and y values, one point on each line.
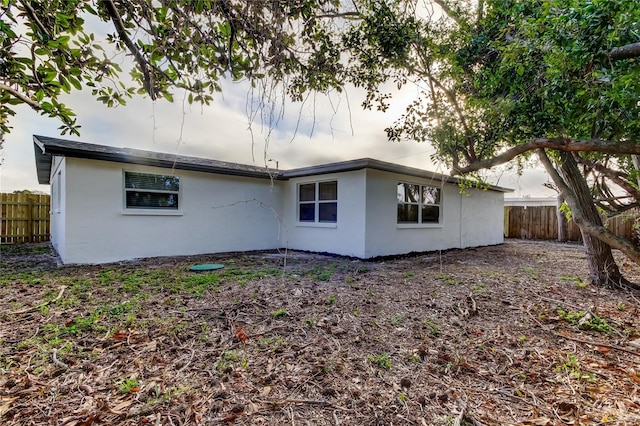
386	237
346	236
482	214
58	204
217	213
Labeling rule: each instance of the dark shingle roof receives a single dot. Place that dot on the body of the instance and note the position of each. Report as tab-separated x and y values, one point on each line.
46	147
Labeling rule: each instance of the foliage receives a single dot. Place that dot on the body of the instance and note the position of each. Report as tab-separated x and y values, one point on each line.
50	48
382	360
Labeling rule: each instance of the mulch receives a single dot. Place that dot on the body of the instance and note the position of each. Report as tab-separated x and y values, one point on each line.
503	335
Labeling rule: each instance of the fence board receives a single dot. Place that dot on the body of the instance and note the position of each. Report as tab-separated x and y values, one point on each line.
541	223
24	218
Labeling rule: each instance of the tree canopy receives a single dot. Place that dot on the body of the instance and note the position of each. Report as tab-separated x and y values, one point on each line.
500	80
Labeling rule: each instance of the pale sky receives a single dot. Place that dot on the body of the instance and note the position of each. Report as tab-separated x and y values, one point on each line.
333	128
329	128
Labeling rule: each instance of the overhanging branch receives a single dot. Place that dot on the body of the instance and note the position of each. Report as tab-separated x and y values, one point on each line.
560	144
19	95
625	52
596	231
111	9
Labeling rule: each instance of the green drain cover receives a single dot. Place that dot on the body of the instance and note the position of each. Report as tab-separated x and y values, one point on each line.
206	267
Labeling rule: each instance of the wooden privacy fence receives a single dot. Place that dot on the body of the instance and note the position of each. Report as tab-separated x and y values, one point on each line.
24	218
541	223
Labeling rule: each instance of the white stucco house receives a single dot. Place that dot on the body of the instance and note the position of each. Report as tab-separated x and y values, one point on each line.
111	204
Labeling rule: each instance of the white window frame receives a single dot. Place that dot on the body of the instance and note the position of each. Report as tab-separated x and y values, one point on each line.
157	211
316	204
420	204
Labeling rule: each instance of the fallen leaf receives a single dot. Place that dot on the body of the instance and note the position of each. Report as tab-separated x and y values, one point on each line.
635	377
540	421
120	335
5	404
265	390
117	409
231	417
241	335
603	349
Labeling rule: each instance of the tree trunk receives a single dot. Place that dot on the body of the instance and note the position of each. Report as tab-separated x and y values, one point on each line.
602	266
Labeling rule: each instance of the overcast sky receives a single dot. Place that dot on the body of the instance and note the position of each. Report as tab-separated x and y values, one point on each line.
324	129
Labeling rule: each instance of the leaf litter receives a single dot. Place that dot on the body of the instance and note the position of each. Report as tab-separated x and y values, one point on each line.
501	335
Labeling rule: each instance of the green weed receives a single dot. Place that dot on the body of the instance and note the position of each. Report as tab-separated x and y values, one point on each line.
572	367
431	325
398	318
584	322
281	312
574	279
531	272
128	385
383	361
321	273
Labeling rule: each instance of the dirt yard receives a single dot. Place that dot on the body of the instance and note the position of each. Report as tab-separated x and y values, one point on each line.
504	335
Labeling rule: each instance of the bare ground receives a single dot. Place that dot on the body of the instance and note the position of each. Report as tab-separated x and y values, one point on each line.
503	335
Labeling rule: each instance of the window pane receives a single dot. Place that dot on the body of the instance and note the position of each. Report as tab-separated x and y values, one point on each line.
328	190
430	214
328	212
154	182
408	193
151	200
307	212
430	195
307	192
407	213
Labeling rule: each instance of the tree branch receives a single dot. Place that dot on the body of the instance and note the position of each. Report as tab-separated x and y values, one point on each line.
624	52
345	15
450	12
24	98
613	175
597	231
560	144
111	9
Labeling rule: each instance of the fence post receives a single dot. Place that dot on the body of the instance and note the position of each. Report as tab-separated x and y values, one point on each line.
30	236
562	237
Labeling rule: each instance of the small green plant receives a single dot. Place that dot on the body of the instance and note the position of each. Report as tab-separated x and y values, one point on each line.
128	385
575	279
572	367
382	360
479	288
585	321
570	316
597	323
279	313
621	306
531	272
431	325
446	278
398	318
311	321
322	273
357	311
408	275
331	300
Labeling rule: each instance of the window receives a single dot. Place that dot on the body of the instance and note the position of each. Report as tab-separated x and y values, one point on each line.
318	202
418	203
149	191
